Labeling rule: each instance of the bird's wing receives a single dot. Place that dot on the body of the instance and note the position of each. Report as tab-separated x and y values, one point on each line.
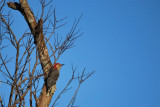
52	78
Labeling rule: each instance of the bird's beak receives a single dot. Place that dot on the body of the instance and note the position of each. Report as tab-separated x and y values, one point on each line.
62	64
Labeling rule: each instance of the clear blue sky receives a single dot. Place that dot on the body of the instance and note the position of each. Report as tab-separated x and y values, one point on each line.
121	42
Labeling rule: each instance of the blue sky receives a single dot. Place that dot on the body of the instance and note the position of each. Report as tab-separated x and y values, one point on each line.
121	42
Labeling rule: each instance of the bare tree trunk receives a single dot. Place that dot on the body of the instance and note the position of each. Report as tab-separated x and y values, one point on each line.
37	31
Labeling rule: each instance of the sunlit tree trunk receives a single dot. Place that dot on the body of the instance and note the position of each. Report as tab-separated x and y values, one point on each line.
37	31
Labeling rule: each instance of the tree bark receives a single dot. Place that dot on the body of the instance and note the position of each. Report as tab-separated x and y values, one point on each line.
37	31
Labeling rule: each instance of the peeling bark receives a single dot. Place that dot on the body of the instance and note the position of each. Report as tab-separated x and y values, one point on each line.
37	31
45	98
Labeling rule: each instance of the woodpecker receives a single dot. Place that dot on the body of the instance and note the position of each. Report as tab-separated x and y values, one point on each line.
53	75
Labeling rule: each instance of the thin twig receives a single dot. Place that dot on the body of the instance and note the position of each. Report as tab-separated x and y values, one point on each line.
1	102
81	79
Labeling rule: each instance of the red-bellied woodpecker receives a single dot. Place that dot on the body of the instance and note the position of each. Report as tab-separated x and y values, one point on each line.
53	75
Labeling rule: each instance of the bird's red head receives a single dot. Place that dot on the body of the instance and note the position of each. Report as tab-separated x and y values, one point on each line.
58	66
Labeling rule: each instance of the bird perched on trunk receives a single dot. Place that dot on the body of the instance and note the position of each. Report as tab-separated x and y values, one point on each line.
53	75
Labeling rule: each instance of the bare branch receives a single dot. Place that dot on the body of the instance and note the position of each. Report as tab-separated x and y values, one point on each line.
15	5
74	95
70	38
65	88
13	38
1	102
9	75
2	3
81	79
5	83
25	76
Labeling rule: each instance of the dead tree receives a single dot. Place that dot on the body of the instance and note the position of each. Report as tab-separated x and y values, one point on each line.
35	42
